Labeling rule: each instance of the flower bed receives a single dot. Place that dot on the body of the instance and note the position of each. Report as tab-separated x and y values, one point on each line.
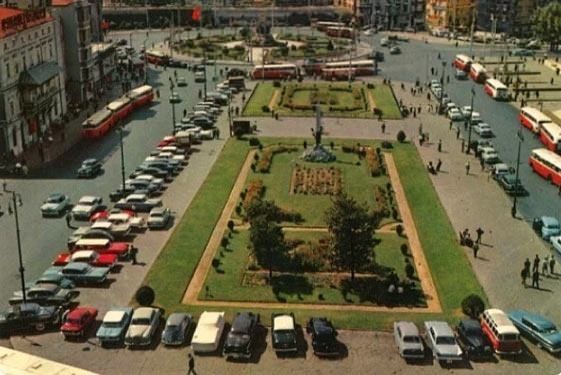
264	163
255	190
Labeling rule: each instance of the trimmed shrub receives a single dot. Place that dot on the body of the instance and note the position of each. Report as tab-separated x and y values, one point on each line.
374	161
225	241
473	305
265	109
409	270
401	136
145	296
254	141
231	225
276	83
399	230
404	249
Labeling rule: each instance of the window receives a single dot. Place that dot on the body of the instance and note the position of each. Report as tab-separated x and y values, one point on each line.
17	68
14	137
8	70
11	109
24	62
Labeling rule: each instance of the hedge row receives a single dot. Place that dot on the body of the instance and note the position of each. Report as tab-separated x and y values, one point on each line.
254	191
264	163
374	161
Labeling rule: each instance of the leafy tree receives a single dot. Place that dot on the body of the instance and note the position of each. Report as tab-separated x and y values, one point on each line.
352	234
265	208
547	24
244	32
473	305
267	239
145	296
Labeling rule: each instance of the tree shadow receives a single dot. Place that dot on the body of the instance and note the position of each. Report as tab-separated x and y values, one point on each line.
376	291
291	285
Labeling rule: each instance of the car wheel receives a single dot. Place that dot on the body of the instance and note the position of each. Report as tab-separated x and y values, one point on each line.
40	327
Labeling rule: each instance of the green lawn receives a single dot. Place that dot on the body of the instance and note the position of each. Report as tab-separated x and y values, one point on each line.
385	100
451	270
261	95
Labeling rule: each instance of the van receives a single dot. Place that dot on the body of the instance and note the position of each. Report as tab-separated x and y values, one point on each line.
501	332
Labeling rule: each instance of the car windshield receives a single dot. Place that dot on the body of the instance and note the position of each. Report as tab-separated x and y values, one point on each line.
445	340
141	321
552	226
157	214
112	325
171	326
284	336
411	339
54	199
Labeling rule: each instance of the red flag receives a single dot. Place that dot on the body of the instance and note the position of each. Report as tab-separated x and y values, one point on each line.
196	15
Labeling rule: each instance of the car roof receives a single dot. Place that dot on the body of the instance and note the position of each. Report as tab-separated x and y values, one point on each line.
549	220
470	324
77	312
408	328
143	313
121	216
536	319
27	307
137	196
157	210
90	161
210	317
114	316
440	328
176	319
82	254
242	322
88	199
322	326
48	287
79	266
284	322
101	224
56	195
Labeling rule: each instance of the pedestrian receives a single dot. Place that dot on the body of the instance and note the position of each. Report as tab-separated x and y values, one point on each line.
438	165
463	145
457	132
524	276
450	127
475	249
158	93
479	233
439	145
421	128
536	280
482	163
185	112
383	127
217	133
465	125
421	139
10	210
191	365
467	165
447	79
200	94
133	253
439	55
432	70
536	266
68	219
527	265
545	266
552	265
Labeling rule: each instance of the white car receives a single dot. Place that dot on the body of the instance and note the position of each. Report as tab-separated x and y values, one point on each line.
466	111
384	42
556	242
490	156
408	340
86	206
150	178
119	230
159	217
55	205
144	323
169	155
474	118
208	332
138	203
440	338
207	134
134	222
483	129
455	114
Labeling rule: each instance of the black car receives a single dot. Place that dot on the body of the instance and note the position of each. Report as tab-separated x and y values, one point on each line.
172	63
472	340
26	316
89	168
324	337
45	295
235	72
283	333
511	185
241	337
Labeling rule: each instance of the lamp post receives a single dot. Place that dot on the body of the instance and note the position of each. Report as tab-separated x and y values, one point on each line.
16	200
470	118
172	101
204	72
145	63
515	201
120	129
130	39
441	105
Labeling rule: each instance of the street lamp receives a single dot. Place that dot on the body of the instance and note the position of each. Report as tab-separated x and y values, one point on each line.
204	72
441	105
145	63
172	101
520	140
470	118
120	129
16	200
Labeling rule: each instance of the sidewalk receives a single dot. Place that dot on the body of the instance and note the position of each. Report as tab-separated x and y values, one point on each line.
471	201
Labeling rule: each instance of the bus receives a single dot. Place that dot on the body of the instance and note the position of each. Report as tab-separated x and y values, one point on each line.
323	25
274	71
547	164
156	57
313	67
462	62
532	118
501	332
359	67
550	136
478	73
340	32
16	362
338	74
120	108
98	124
141	95
496	89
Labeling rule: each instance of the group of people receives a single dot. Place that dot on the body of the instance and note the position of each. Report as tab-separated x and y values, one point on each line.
547	267
466	240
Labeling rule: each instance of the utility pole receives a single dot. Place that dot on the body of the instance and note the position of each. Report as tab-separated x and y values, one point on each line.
470	119
441	104
204	72
172	86
120	127
171	36
147	19
516	183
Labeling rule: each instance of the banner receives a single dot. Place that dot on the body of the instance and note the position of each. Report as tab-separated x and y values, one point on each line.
196	15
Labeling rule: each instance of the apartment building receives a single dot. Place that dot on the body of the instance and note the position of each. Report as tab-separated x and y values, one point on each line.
454	15
32	90
512	17
388	14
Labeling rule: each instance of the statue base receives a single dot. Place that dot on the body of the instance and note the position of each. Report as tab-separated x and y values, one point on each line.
318	154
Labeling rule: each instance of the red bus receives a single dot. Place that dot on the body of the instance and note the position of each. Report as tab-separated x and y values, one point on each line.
156	57
547	164
358	67
98	124
501	332
478	73
462	62
312	67
550	136
495	89
274	71
121	108
141	95
340	32
338	74
323	25
532	118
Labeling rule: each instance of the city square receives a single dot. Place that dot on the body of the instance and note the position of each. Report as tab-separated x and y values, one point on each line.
441	223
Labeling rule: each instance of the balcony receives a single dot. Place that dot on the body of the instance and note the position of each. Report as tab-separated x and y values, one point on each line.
33	104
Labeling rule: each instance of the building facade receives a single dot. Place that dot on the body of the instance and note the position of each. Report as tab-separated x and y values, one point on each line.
512	17
388	14
32	90
454	15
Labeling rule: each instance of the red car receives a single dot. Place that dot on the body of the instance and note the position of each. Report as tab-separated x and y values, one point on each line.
78	321
104	214
103	246
91	257
168	140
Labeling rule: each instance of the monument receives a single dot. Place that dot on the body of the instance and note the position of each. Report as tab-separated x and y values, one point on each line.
318	153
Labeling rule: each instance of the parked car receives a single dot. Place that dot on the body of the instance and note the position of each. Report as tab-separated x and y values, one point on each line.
479	144
87	233
483	130
511	185
55	205
170	165
546	227
117	230
86	206
176	329
454	114
122	192
153	171
460	74
181	82
144	184
136	223
200	77
241	338
151	179
77	322
208	332
408	340
104	246
138	203
440	338
490	156
104	214
159	217
466	111
283	332
143	326
82	273
175	98
166	141
28	316
45	295
395	50
537	328
53	279
472	340
90	257
114	326
522	52
500	169
89	168
324	337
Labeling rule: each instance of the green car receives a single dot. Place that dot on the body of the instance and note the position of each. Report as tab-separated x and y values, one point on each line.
114	326
175	98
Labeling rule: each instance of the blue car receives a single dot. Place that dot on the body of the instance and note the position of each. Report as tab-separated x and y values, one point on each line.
537	328
114	326
546	227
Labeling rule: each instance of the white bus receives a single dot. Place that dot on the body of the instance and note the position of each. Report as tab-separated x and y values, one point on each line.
478	73
357	67
496	89
550	136
532	118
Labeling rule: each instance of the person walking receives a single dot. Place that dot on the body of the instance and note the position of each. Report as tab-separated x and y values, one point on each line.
440	145
191	365
536	280
438	165
482	163
475	249
552	265
479	233
524	276
383	127
536	266
451	123
467	168
527	265
545	266
68	218
133	253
